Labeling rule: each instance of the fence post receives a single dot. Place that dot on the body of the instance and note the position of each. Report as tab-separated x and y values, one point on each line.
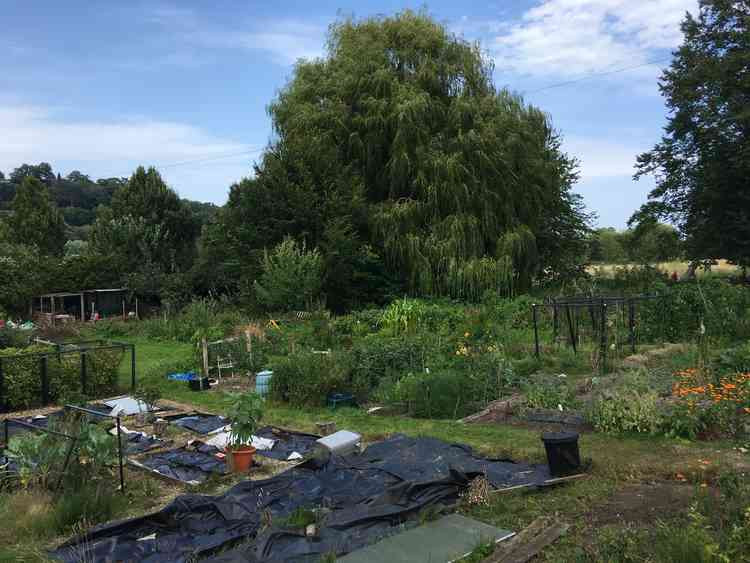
570	328
536	330
631	322
2	386
45	380
204	352
119	455
554	321
603	345
83	373
132	367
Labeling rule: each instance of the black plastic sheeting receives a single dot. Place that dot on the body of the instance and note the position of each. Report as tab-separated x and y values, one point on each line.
190	464
287	442
43	421
365	497
136	443
201	423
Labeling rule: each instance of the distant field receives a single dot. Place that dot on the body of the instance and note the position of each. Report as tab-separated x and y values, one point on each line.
722	268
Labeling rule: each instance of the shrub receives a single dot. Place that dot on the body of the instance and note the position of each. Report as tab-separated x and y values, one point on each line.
733	360
12	338
22	374
544	392
292	277
306	379
623	411
676	316
433	395
376	357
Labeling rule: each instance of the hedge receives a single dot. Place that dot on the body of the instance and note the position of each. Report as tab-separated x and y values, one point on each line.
22	375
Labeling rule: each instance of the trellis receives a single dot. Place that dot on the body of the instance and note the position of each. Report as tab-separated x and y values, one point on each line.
570	314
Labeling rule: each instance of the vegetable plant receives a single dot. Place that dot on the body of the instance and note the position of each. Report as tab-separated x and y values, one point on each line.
245	413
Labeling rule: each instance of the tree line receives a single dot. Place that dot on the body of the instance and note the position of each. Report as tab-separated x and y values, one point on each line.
396	166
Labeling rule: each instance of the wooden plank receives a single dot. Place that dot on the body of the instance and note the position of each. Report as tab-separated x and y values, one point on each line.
527	544
547	483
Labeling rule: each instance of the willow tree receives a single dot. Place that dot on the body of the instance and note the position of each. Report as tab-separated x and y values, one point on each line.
462	187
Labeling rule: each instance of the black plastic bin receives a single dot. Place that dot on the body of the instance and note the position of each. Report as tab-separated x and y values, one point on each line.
200	384
562	453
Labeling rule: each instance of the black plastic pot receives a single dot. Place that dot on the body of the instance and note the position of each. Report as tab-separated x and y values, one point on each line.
562	453
199	384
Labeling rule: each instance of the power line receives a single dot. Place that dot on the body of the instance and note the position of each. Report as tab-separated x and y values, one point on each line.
209	158
598	74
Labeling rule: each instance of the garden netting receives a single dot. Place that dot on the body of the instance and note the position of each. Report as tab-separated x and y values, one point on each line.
360	499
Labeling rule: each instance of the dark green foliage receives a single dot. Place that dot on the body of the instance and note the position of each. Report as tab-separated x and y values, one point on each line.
701	165
291	278
148	231
650	242
306	379
377	357
397	149
676	316
42	172
35	220
733	360
245	413
13	338
22	374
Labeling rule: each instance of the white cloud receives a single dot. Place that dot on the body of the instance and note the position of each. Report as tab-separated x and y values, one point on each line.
114	148
286	41
574	37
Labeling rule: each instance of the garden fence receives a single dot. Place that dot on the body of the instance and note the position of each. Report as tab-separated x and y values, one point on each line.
39	378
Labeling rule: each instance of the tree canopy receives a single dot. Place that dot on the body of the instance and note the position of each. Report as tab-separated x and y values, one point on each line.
399	136
147	226
702	163
35	220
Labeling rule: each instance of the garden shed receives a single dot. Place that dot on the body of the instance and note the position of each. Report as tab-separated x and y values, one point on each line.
52	308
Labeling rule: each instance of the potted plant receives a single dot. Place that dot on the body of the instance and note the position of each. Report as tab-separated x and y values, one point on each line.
245	413
149	394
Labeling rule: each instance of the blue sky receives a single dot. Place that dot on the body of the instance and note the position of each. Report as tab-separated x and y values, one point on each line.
104	86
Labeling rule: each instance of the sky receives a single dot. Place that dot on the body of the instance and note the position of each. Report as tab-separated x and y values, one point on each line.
102	87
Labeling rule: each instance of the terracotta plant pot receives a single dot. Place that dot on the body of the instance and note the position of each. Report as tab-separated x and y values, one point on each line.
240	458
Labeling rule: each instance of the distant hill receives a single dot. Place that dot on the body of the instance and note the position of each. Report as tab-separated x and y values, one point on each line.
78	196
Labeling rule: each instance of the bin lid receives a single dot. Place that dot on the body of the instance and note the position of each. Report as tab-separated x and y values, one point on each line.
559	437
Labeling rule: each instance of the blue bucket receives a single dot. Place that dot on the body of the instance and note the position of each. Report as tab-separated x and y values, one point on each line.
262	382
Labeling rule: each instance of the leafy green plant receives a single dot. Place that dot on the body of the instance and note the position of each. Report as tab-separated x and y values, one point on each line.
402	316
619	412
292	277
733	360
149	393
306	379
245	413
548	393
